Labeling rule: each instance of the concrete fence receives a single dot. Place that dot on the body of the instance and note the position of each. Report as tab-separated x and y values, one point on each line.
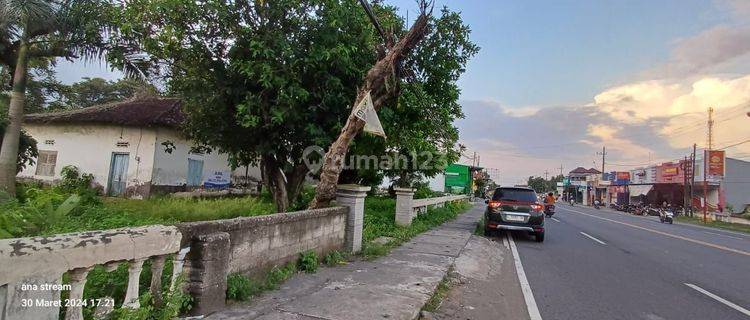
31	269
407	207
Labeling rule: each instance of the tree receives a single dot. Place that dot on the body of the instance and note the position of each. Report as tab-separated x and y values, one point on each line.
419	122
261	80
27	150
540	185
381	82
41	30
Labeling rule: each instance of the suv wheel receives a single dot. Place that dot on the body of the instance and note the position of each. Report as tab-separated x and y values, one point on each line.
539	236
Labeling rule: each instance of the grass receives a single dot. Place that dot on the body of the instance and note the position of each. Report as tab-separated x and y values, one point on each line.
715	224
379	221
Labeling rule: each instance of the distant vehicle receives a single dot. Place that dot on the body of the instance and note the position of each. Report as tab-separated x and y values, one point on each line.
514	208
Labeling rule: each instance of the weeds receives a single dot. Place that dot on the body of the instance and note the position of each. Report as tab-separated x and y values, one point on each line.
308	261
379	221
242	288
441	291
334	258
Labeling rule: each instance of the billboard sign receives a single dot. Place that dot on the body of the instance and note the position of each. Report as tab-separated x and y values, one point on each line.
715	164
217	180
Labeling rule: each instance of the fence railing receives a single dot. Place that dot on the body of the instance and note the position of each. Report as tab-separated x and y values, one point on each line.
31	269
407	207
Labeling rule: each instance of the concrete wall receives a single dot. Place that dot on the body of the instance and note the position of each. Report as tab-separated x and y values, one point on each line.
90	147
252	246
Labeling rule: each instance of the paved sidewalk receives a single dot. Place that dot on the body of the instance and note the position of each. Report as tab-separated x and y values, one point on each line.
392	287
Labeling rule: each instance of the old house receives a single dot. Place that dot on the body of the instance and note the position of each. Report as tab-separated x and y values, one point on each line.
133	148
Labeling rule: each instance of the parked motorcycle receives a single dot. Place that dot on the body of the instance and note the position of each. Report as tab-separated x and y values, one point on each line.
549	210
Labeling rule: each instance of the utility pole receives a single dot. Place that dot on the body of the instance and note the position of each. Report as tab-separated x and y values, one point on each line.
692	181
603	154
685	184
561	169
474	159
710	128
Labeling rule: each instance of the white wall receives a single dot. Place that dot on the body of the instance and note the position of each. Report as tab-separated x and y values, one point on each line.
90	147
170	169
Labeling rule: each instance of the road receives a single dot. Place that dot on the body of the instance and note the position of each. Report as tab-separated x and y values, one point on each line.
601	264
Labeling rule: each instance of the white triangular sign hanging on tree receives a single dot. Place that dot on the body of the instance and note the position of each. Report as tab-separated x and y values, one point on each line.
365	110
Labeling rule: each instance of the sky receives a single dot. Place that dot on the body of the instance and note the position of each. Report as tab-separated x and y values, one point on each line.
555	81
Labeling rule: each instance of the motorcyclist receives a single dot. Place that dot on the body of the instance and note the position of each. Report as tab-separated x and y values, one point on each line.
596	203
549	199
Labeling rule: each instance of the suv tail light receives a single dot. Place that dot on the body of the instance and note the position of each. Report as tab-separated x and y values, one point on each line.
494	204
537	207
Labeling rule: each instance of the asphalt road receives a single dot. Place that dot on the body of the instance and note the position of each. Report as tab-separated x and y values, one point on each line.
600	264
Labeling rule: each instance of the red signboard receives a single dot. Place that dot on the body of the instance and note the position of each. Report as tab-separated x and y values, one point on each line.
715	164
623	176
670	171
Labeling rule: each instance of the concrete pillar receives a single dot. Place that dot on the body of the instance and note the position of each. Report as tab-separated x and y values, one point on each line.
353	196
404	211
207	269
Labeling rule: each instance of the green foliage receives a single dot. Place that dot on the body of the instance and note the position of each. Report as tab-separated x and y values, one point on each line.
174	303
40	213
423	190
334	258
540	185
379	221
243	288
308	261
239	287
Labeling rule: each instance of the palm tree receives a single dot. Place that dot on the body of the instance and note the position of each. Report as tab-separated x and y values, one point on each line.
43	30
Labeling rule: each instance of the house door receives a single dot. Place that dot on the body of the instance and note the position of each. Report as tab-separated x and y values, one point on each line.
195	173
118	174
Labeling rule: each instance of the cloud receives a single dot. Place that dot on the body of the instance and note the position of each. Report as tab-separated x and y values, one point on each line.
678	108
707	50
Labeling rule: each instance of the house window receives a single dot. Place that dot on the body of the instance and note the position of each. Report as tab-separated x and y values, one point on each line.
45	164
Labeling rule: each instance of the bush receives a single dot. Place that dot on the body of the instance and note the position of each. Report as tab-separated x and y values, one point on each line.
379	221
239	287
308	261
334	258
423	191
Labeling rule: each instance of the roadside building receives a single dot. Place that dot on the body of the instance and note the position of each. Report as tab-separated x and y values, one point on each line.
736	185
132	148
581	185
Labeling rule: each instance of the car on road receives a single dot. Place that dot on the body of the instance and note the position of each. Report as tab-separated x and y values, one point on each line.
514	208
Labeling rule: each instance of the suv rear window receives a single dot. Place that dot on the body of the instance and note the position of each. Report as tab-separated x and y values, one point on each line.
514	194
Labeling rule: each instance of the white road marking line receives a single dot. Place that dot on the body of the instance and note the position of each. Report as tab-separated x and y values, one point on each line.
528	296
592	238
555	219
505	243
707	244
720	299
726	235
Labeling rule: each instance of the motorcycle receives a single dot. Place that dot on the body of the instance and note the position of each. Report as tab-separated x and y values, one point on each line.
596	205
549	210
666	215
572	203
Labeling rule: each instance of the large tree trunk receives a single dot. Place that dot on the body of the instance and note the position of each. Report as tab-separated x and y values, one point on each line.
376	83
12	135
284	187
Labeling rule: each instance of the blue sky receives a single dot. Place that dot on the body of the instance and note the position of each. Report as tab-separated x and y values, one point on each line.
539	53
557	80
